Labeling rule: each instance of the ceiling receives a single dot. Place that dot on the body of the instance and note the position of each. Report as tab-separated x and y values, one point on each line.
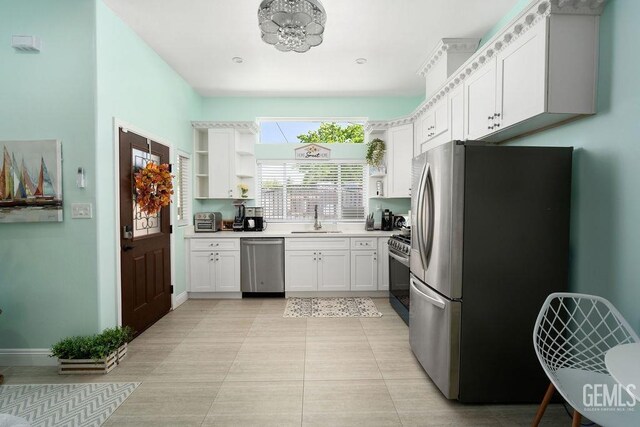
198	38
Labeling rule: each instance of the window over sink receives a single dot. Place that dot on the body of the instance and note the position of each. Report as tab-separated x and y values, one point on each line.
288	191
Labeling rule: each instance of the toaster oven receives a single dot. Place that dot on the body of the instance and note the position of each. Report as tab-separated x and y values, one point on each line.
207	222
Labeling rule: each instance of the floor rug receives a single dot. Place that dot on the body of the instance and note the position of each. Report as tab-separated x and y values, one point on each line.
331	307
60	405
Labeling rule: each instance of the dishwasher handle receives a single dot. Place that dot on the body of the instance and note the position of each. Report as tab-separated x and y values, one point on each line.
262	242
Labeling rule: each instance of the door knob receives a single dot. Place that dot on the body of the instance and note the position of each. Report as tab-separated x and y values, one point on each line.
126	248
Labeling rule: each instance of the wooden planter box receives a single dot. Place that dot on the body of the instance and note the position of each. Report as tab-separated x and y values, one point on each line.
90	366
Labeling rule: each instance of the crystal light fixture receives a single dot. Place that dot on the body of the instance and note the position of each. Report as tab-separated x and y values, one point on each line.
292	24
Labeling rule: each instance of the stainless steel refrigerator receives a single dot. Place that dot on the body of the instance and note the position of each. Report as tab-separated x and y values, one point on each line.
490	240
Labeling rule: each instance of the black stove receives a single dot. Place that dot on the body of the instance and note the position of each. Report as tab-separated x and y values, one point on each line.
399	250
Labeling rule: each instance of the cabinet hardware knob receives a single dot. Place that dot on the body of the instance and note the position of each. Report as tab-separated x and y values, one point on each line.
314	259
497	125
489	127
497	114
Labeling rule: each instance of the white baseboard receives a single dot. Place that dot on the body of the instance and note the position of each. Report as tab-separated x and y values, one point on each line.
215	295
26	357
303	294
179	299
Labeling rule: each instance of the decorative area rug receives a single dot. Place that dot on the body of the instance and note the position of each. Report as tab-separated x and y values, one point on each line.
331	307
69	405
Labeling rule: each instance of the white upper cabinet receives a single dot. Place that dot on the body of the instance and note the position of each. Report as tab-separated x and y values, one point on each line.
480	98
399	156
221	146
541	69
456	113
224	159
521	77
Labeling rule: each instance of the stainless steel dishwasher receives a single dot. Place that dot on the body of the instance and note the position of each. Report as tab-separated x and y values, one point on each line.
262	265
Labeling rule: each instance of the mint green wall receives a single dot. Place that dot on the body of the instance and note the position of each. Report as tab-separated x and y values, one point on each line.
606	201
250	108
48	271
136	86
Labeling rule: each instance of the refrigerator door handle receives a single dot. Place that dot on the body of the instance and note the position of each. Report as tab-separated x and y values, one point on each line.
434	300
420	218
431	213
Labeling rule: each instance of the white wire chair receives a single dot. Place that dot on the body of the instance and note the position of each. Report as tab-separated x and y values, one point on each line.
571	336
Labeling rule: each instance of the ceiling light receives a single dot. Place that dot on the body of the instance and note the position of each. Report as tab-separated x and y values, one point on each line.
237	60
361	61
295	25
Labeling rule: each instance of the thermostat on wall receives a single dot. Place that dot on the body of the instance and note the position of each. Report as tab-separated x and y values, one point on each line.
26	43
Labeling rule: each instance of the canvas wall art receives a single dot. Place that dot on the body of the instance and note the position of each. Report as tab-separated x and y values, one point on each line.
31	181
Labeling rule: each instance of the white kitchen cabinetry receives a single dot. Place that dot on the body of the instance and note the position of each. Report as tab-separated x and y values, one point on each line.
364	270
399	156
536	76
301	270
456	114
212	269
224	159
364	264
333	270
318	270
480	98
383	264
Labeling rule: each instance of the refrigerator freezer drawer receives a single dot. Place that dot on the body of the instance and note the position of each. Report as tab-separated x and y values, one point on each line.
434	334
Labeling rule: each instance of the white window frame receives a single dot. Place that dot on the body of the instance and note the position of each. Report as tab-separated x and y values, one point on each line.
186	198
365	189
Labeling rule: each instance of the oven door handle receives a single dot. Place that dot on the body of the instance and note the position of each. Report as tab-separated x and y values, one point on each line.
401	260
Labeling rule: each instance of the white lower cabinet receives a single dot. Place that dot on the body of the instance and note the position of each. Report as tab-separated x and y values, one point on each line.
333	270
227	271
301	270
325	270
383	264
214	270
364	270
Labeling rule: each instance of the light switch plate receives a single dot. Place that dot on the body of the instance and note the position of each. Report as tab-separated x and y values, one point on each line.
81	210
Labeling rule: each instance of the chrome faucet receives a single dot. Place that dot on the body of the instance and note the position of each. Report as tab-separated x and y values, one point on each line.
316	224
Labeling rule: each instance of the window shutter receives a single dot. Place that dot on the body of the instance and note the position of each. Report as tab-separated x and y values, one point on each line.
183	190
289	191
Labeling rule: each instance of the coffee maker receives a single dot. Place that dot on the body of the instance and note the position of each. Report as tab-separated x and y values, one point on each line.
254	220
238	221
387	220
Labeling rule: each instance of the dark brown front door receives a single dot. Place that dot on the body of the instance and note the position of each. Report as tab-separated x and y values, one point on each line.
144	240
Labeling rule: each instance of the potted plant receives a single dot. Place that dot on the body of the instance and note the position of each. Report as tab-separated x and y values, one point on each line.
376	149
94	354
244	190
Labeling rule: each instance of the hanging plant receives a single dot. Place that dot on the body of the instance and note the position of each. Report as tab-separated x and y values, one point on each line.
154	187
375	152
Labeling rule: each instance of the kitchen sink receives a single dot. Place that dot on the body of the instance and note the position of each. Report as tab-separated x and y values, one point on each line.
316	232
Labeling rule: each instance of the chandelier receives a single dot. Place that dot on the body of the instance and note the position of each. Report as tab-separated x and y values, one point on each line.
292	24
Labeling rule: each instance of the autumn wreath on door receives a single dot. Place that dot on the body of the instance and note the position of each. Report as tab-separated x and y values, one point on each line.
154	187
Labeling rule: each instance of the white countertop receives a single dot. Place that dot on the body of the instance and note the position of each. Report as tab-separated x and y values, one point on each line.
288	234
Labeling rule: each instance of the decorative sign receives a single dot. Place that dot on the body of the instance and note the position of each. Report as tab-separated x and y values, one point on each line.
312	152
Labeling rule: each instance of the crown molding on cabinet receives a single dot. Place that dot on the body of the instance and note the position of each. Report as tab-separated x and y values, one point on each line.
251	127
447	45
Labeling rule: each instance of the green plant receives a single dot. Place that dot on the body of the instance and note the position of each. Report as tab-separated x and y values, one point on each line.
331	132
375	152
93	347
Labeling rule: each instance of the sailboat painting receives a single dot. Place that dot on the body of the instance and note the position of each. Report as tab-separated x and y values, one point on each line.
31	181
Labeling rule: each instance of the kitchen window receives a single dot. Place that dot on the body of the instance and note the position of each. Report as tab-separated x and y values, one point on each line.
183	188
289	190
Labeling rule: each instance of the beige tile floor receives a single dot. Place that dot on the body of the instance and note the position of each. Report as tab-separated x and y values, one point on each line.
240	363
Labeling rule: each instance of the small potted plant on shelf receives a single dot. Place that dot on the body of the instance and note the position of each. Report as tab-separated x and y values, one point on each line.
244	190
94	354
376	149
